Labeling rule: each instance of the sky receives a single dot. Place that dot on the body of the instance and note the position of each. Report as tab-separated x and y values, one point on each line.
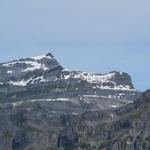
89	35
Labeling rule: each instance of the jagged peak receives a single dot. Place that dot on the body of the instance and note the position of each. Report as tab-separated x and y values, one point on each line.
28	60
23	71
44	56
47	56
50	54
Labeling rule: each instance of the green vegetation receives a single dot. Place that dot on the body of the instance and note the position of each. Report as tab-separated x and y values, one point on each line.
8	134
30	129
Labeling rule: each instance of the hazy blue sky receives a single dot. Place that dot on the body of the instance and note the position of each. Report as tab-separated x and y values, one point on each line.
90	35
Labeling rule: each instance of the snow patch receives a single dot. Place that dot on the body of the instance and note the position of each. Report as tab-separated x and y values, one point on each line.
49	100
66	77
62	99
93	78
34	66
112	116
28	109
119	87
38	79
100	79
15	104
121	94
95	96
65	70
9	72
10	63
114	106
76	114
1	83
41	57
21	82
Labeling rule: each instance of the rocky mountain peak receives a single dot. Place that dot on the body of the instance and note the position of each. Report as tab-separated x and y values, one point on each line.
23	71
122	78
112	80
50	54
47	56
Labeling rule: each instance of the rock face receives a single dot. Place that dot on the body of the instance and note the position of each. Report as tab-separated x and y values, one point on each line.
36	126
44	107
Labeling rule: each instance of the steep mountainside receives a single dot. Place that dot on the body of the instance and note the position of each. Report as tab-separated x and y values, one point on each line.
45	107
38	126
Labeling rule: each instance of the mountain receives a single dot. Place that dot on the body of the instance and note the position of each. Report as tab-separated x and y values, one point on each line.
42	77
45	107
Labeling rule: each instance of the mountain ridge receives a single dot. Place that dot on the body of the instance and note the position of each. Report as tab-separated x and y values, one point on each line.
31	64
19	77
